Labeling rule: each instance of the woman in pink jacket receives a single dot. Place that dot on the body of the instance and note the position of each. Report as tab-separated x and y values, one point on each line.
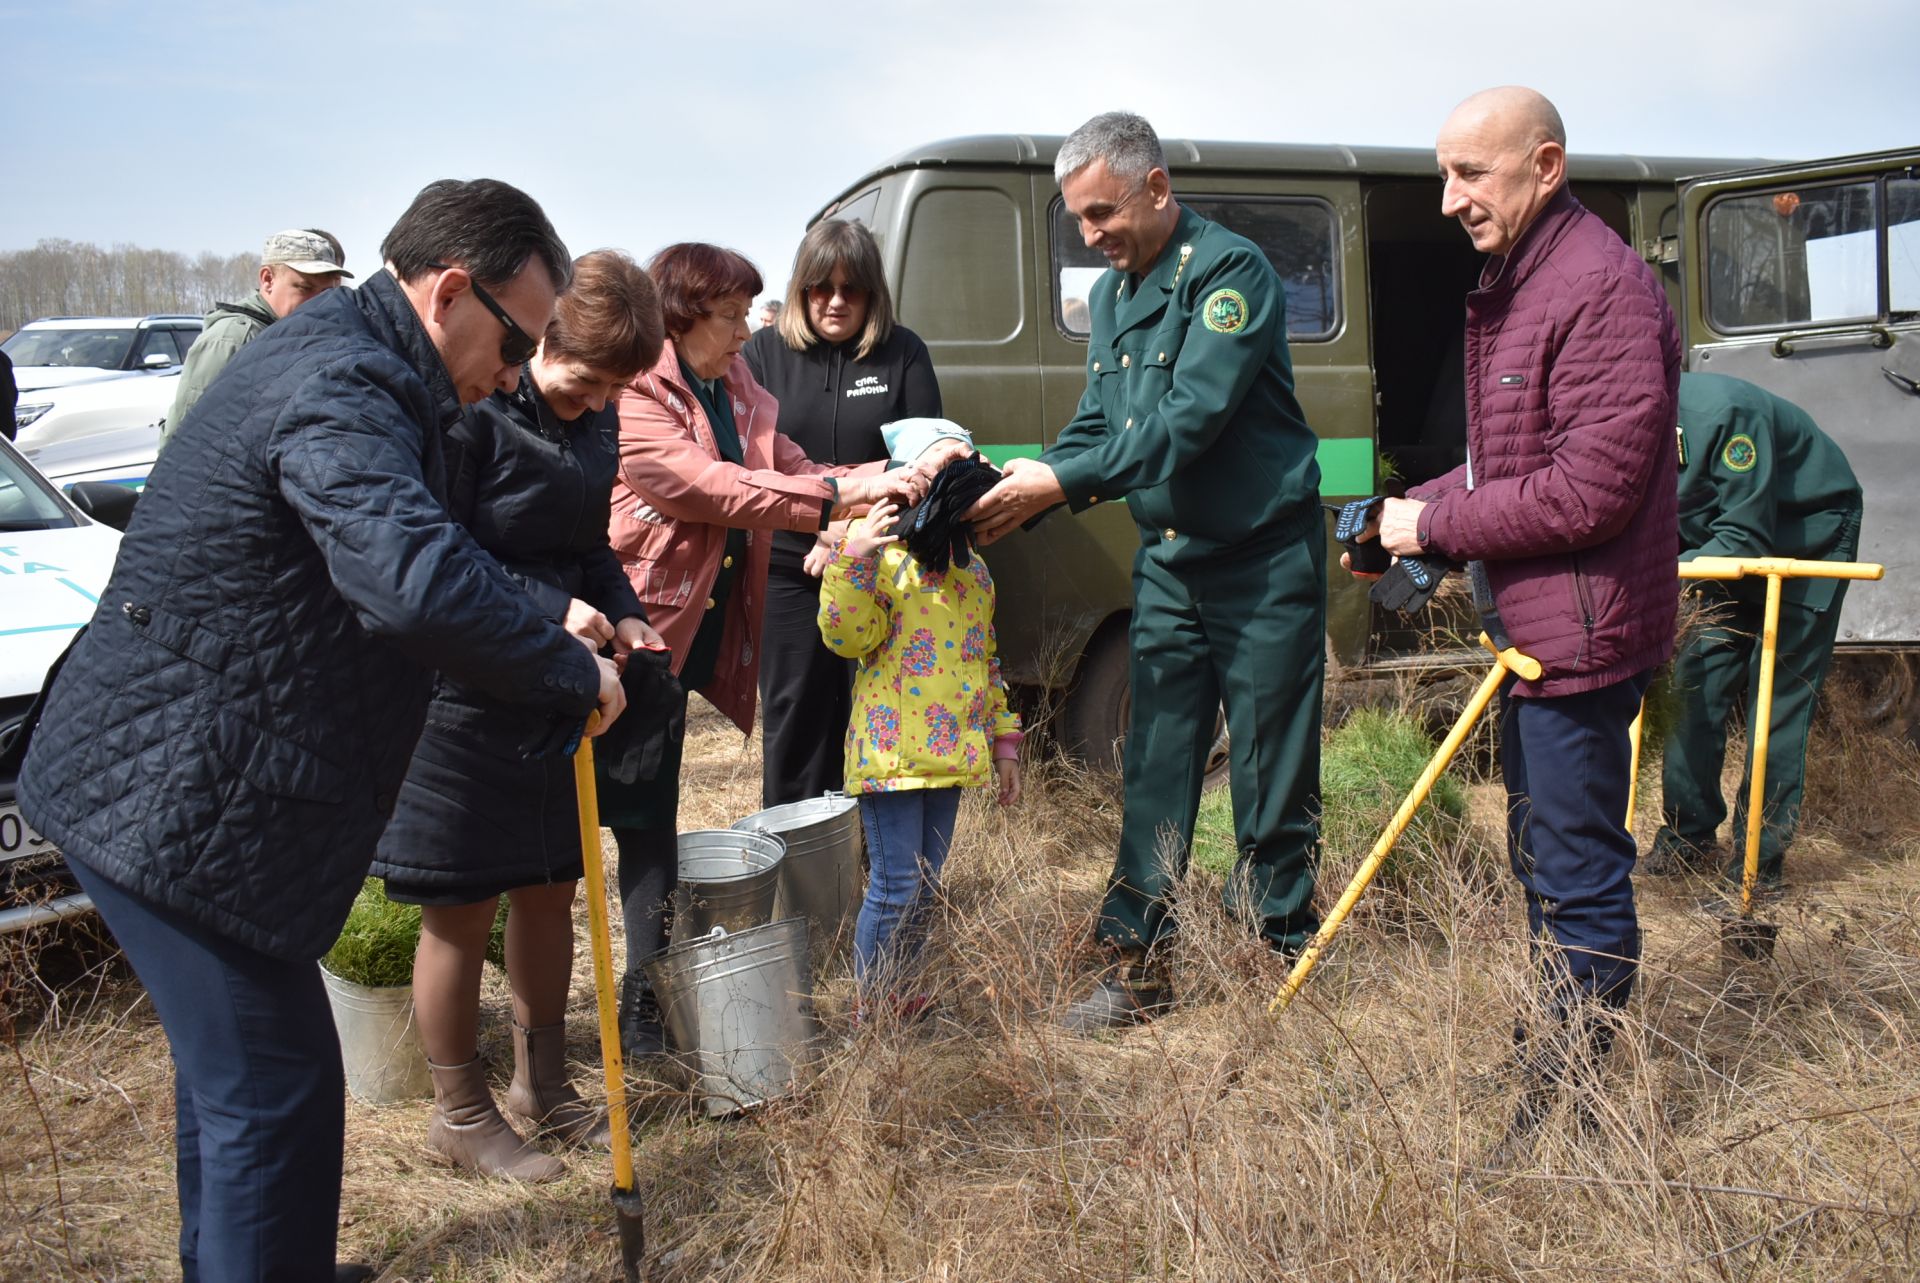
705	478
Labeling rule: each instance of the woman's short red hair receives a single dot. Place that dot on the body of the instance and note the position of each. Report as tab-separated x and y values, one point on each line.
691	277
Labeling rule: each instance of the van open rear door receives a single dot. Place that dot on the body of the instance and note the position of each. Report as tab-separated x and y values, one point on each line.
1805	279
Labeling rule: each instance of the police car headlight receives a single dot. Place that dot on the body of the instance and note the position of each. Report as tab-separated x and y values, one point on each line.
28	412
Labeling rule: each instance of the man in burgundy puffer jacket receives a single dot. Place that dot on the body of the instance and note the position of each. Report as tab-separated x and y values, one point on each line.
1568	498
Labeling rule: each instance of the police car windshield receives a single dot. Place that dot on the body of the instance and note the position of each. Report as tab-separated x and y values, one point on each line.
27	502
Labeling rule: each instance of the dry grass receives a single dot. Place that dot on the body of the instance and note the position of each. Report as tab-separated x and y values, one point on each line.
1756	1129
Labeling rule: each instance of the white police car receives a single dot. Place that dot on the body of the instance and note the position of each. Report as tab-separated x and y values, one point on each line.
54	561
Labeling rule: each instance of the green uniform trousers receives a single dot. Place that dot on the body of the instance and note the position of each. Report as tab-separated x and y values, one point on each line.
1248	629
1718	673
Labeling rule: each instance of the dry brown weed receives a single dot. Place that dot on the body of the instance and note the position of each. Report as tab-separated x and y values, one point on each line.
1765	1127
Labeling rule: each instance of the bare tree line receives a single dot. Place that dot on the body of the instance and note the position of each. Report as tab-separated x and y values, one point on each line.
77	278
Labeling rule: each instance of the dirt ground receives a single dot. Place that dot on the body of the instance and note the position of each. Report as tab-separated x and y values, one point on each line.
1759	1124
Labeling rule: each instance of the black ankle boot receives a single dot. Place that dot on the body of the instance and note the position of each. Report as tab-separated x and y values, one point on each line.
1134	989
641	1033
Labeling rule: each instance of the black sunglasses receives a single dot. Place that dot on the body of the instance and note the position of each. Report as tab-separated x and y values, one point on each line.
518	347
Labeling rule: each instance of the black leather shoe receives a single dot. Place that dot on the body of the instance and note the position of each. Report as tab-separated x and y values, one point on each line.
1673	856
1132	991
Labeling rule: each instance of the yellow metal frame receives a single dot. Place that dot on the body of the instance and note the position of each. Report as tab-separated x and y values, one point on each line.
1777	571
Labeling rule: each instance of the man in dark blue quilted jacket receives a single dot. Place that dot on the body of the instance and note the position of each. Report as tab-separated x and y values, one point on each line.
225	742
1567	500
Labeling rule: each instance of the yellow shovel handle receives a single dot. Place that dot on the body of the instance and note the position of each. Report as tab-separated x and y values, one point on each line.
1504	662
597	931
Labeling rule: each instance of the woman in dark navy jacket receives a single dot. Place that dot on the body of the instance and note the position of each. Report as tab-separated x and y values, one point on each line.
483	812
841	368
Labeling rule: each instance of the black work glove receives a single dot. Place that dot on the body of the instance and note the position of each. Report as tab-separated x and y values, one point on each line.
1363	558
1410	583
656	718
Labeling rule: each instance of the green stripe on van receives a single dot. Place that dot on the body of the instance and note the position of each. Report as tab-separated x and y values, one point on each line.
1346	463
998	455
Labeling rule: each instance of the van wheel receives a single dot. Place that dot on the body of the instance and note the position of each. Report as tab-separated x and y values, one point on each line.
1094	722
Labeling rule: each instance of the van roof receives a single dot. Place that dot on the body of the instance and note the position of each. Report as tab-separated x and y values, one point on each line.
1036	151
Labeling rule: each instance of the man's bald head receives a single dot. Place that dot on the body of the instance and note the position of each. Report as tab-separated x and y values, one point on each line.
1524	114
1503	154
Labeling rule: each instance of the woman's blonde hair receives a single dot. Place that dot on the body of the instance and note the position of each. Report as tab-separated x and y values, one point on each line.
836	243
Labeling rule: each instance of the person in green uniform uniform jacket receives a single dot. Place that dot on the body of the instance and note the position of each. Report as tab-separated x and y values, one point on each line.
1190	415
1758	478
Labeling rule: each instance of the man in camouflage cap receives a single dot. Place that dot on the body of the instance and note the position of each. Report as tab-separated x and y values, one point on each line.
295	265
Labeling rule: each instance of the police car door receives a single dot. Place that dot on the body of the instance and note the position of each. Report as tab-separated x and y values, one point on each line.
1805	279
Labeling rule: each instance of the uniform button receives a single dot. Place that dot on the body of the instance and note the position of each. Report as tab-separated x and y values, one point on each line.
384	801
547	681
710	603
1163	356
1093	498
1170	532
1129	422
1126	360
1096	367
726	562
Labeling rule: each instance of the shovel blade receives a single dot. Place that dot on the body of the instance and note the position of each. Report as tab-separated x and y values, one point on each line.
1744	941
633	1239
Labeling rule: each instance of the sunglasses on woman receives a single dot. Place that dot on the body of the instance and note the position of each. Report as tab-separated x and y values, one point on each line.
823	293
518	347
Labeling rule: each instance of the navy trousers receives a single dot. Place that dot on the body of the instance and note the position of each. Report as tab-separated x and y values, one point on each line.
1566	761
259	1097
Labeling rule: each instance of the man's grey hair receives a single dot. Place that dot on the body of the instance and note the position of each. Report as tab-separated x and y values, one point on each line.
1125	141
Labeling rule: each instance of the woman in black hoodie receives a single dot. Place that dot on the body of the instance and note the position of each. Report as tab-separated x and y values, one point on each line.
841	368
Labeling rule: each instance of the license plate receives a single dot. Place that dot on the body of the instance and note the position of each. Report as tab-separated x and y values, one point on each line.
17	837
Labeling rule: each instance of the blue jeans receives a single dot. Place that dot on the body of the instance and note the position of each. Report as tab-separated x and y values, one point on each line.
259	1097
908	835
1566	761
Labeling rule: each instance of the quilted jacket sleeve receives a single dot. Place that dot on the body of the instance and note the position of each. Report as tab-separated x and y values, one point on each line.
1609	424
409	572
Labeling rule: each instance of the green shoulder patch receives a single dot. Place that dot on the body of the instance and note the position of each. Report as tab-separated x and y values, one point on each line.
1740	454
1225	311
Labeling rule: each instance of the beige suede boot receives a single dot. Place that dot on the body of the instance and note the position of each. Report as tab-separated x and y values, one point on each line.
468	1129
541	1093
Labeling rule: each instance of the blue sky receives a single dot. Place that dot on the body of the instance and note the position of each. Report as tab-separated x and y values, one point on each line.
194	126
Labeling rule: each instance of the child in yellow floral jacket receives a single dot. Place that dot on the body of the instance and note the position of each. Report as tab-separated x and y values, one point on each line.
930	717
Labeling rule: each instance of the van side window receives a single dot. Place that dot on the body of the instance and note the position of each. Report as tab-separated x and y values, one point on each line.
1903	245
1794	257
859	209
1297	236
963	275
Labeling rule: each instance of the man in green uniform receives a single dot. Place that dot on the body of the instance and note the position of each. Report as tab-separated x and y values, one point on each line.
1190	415
1757	479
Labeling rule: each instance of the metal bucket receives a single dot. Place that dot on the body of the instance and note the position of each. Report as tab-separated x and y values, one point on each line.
727	879
822	878
379	1043
740	1010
